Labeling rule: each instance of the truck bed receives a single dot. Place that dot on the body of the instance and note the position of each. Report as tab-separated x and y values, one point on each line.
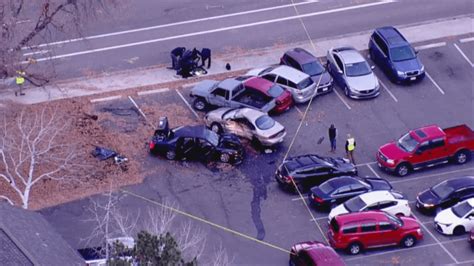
252	99
458	134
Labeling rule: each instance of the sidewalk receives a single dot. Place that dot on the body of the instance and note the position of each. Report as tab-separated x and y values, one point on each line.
240	60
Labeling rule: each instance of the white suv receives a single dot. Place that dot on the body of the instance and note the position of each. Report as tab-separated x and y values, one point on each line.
300	84
456	220
388	201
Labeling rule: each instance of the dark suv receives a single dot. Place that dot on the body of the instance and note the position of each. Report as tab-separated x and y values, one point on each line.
395	56
306	62
311	170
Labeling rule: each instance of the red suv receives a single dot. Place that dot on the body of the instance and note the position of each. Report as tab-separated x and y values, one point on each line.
357	231
312	253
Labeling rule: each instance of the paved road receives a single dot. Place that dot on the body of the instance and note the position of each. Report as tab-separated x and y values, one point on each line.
144	33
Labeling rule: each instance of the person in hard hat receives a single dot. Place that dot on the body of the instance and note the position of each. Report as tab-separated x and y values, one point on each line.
20	80
350	147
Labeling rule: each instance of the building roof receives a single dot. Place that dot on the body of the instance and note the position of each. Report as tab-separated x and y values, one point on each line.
26	238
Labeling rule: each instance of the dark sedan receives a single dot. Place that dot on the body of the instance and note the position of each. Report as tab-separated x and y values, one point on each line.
311	170
197	143
337	190
445	194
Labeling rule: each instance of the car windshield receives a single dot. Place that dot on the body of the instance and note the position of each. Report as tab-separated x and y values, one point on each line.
407	143
395	219
442	190
313	68
462	209
402	53
276	91
305	83
327	187
354	205
212	137
266	70
265	122
358	69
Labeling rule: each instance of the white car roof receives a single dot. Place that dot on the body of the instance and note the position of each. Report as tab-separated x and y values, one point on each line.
376	196
250	114
290	73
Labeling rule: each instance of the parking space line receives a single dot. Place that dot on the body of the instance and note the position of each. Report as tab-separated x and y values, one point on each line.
436	239
187	104
390	251
185	86
299	198
140	93
463	55
434	82
432	175
428	46
318	219
343	101
298	109
364	164
106	99
470	39
373	171
389	92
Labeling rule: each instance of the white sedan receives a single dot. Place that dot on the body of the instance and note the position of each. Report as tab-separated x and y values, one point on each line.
388	201
456	220
246	123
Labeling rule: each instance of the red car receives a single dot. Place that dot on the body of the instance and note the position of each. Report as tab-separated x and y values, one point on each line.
426	147
283	97
361	230
314	253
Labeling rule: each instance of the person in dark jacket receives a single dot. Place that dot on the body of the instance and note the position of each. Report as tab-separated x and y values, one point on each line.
176	54
332	137
206	56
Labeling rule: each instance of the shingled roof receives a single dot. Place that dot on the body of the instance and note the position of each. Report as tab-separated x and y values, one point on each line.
26	238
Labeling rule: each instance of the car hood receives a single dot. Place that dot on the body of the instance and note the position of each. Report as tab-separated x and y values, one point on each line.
203	87
427	197
410	223
325	78
379	184
446	217
392	151
340	209
255	71
408	65
363	83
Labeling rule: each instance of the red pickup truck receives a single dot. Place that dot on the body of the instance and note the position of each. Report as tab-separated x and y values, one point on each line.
426	147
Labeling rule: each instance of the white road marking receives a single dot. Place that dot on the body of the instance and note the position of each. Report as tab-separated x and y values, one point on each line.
464	55
429	46
382	2
140	93
22	21
433	175
373	171
318	219
299	198
298	109
187	104
436	239
188	85
37	52
390	251
342	99
363	164
389	92
172	24
106	99
434	82
470	39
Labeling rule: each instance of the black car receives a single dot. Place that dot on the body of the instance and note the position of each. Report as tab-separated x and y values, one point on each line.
306	62
196	143
445	194
311	170
337	190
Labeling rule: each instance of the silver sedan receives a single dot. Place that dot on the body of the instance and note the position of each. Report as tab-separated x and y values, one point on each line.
246	123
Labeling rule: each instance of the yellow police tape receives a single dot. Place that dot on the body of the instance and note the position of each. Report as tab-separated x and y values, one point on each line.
206	221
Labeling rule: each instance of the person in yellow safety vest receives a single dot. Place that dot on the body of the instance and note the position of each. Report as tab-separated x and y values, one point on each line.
20	80
350	147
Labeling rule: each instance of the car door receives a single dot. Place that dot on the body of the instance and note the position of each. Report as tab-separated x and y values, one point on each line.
246	128
186	147
420	157
388	234
390	206
282	82
368	234
219	97
205	149
380	52
437	152
270	77
337	70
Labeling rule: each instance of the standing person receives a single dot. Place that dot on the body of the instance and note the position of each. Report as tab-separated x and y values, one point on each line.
20	80
332	137
350	147
206	56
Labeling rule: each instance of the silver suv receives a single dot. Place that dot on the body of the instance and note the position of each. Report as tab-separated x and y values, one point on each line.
300	84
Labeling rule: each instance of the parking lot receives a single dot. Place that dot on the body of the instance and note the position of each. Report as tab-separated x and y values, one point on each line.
247	199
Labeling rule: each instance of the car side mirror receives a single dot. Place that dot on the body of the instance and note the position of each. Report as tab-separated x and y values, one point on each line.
418	152
372	67
339	71
416	51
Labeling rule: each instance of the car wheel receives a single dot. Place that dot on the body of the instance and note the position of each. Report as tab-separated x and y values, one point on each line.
199	104
216	127
347	92
459	230
170	155
354	248
399	214
225	157
408	241
462	157
402	169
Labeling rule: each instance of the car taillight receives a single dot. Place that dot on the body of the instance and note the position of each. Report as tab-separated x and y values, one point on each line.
278	102
318	199
288	179
152	145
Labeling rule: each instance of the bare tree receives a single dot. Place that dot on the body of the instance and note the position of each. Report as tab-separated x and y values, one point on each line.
220	258
35	147
26	24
